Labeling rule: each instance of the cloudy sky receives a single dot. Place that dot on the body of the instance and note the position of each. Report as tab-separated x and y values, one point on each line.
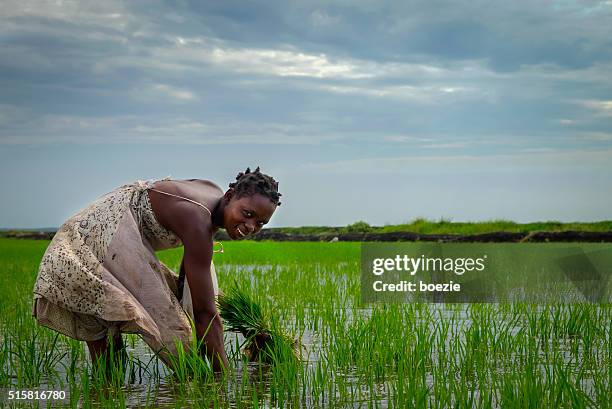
363	110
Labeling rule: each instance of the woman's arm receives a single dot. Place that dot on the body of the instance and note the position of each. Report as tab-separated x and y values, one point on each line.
196	262
194	227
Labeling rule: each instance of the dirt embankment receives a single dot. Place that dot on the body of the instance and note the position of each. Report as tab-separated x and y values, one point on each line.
497	237
35	235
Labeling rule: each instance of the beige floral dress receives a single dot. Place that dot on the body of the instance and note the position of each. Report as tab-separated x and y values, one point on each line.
100	275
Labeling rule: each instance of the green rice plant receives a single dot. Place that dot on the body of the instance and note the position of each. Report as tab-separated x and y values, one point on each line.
395	355
4	360
189	365
34	356
264	340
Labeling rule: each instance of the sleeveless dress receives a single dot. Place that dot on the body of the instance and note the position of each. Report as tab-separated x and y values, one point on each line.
100	275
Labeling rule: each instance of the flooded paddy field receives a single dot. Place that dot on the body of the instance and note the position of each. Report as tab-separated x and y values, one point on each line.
354	356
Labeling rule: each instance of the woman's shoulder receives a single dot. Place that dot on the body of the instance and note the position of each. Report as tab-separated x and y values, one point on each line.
206	183
184	205
191	188
168	195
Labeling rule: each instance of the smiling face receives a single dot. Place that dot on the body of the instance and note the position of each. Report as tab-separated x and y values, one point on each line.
246	215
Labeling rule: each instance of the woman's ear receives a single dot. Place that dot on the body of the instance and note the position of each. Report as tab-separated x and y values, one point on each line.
228	195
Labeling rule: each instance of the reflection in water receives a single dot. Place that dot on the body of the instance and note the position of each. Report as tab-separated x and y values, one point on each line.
149	382
320	326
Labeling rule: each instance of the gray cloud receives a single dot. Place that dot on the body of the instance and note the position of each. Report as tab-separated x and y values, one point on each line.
315	87
506	34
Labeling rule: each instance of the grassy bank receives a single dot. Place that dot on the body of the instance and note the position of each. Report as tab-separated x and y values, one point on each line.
444	226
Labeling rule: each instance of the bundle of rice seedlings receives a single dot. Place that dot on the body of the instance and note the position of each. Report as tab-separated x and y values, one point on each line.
264	341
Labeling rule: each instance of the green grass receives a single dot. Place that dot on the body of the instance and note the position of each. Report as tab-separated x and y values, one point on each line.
444	226
395	355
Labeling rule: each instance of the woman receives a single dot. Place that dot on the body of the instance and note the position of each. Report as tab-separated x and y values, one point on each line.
100	277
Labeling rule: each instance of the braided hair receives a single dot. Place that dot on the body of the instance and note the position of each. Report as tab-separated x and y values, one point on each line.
250	183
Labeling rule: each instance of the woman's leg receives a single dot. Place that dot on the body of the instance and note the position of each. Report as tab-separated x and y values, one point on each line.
109	349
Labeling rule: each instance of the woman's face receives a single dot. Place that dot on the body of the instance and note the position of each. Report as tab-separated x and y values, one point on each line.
246	215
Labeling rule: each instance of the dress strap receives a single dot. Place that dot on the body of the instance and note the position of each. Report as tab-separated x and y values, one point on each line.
184	198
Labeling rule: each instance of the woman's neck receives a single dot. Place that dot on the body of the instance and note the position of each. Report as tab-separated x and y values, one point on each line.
217	215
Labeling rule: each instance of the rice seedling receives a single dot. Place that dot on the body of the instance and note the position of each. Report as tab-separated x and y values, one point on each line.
264	340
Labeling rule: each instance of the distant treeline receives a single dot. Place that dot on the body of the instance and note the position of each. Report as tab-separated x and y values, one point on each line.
416	230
